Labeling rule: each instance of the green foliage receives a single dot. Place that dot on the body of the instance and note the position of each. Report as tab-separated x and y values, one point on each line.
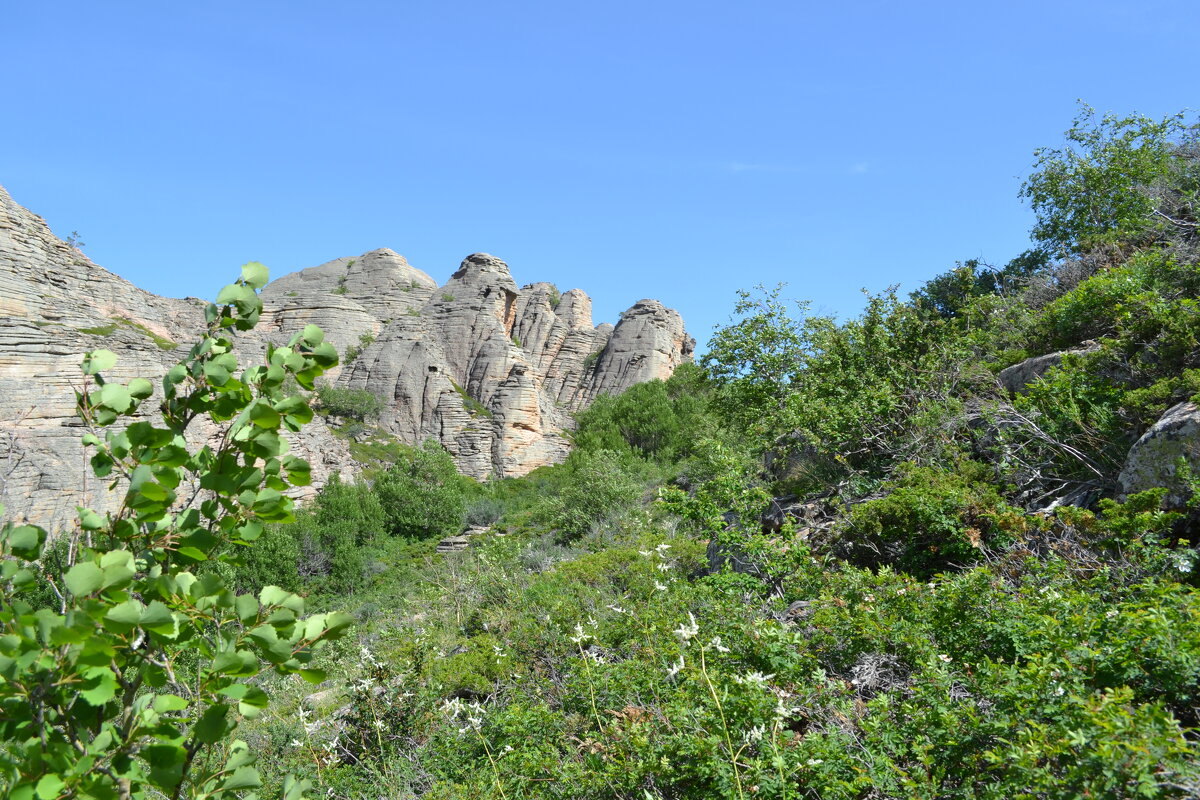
365	340
757	359
421	494
136	686
659	420
1115	179
597	484
473	406
929	519
356	404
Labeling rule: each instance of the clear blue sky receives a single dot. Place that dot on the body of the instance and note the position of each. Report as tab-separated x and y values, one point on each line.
677	150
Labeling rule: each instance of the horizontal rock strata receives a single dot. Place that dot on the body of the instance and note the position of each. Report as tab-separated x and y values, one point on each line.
490	370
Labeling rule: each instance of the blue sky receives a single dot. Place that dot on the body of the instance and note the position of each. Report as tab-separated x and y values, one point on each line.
652	149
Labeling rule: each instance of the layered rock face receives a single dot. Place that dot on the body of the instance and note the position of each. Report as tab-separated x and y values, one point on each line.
493	371
55	305
490	370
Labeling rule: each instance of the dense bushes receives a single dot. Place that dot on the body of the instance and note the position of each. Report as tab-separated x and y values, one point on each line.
356	404
958	609
422	494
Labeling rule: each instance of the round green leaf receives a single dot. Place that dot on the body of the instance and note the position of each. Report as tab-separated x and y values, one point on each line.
255	274
84	578
98	361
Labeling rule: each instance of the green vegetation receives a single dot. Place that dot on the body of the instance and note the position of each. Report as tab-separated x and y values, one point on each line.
473	406
353	404
127	663
365	340
837	560
162	342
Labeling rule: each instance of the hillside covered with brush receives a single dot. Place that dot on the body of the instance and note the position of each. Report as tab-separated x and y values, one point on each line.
944	549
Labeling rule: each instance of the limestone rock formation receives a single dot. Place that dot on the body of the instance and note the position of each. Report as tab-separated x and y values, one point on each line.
55	305
1153	460
494	372
491	371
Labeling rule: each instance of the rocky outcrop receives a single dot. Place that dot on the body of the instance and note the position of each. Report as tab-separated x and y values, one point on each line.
1017	378
55	305
490	370
494	372
1154	459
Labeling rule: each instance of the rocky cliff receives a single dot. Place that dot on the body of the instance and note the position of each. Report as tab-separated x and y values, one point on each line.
490	370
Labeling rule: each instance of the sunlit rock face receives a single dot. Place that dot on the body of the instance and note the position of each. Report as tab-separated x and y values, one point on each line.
494	372
490	370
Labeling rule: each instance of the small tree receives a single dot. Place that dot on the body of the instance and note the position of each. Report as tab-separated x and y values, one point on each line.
422	494
135	686
1116	178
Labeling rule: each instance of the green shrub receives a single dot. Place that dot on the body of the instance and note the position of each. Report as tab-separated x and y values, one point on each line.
136	687
422	494
357	404
597	485
929	519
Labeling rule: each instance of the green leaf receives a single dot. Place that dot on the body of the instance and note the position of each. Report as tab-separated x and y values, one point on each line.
255	274
98	361
216	374
313	675
26	541
238	663
124	617
264	416
246	607
84	578
254	701
337	623
49	787
234	293
169	702
212	725
158	618
242	778
89	520
312	335
116	397
99	686
141	388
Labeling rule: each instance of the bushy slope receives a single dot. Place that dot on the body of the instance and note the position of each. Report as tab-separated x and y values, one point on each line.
962	609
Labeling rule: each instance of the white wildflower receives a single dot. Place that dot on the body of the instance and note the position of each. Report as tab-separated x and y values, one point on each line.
617	609
675	668
1111	613
755	678
687	631
663	566
715	644
662	549
755	734
661	587
812	762
580	637
944	657
646	553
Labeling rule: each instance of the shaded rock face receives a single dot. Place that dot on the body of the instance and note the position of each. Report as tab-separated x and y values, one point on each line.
490	370
1153	460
